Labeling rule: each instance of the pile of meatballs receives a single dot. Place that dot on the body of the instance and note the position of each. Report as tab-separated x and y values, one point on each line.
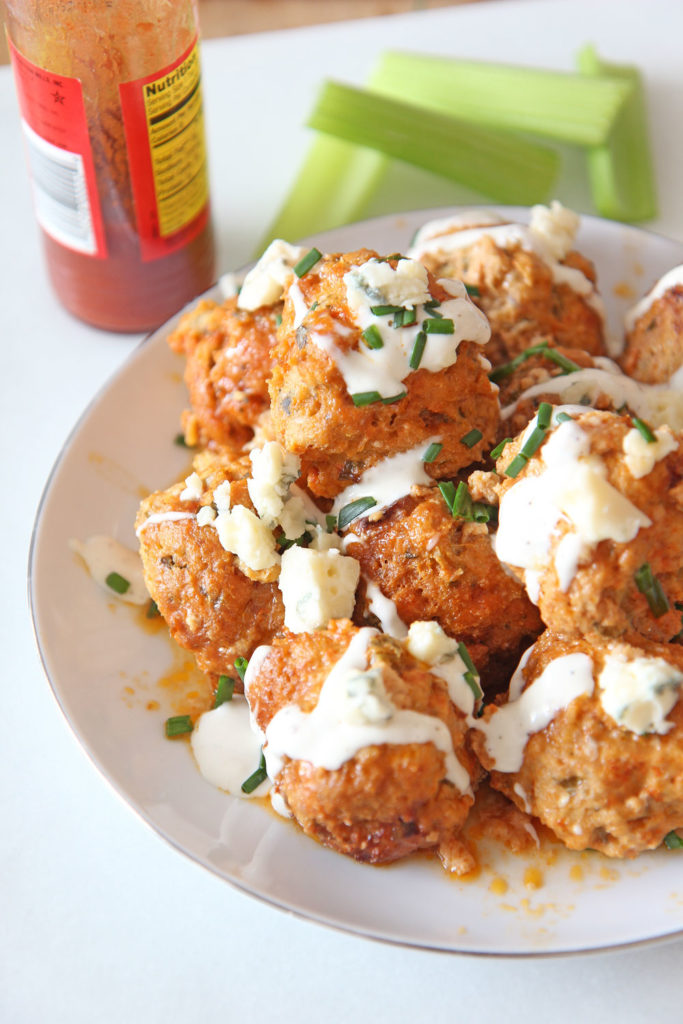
507	503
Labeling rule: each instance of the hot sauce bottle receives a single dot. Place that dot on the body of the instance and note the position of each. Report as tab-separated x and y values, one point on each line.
111	107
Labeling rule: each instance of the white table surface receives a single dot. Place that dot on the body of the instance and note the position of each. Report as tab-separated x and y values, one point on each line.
100	920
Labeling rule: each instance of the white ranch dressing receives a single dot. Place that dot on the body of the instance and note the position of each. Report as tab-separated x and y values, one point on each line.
445	225
383	370
104	555
264	284
429	643
354	711
572	488
672	279
509	728
163	517
390	479
657	404
638	693
384	609
507	236
226	747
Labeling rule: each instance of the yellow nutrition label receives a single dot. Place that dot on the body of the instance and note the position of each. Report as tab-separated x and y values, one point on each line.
175	127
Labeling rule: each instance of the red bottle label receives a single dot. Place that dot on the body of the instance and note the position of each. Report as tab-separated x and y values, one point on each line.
60	156
164	124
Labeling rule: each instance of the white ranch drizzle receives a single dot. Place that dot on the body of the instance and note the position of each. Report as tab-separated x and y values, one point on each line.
103	555
657	404
163	517
390	479
572	488
226	747
445	225
354	711
508	236
383	370
509	728
672	279
384	609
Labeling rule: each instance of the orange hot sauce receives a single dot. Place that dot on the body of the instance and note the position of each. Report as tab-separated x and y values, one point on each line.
110	98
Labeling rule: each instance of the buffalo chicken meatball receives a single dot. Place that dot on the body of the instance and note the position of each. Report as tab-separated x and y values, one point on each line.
591	741
654	332
530	283
217	604
227	368
591	518
433	566
374	358
364	746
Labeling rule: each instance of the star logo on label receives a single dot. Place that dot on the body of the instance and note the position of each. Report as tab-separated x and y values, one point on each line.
58	97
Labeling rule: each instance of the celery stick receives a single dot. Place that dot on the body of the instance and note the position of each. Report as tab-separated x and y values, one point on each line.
332	188
620	170
557	105
499	165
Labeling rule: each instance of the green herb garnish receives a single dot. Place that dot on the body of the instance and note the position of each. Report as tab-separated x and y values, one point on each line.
152	609
224	690
372	337
119	584
498	450
241	665
307	262
257	777
673	841
418	350
439	325
648	585
178	726
645	430
354	509
471	438
432	452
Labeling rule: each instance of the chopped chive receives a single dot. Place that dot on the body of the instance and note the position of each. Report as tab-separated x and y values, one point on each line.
472	289
331	523
498	450
471	438
119	584
241	665
648	585
307	262
180	441
673	841
432	308
644	429
471	675
365	398
394	398
564	417
440	325
224	690
542	349
516	466
257	777
533	442
405	317
178	725
354	509
418	350
152	609
448	492
313	306
372	337
462	506
278	319
544	414
432	452
385	310
462	503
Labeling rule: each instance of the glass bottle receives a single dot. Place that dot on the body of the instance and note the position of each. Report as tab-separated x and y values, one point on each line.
110	99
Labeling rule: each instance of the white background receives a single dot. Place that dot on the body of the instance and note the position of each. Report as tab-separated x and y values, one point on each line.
99	919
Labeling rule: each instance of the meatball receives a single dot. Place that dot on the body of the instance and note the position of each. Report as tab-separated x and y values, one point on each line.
604	768
530	288
343	690
654	332
593	522
351	387
215	605
437	567
227	369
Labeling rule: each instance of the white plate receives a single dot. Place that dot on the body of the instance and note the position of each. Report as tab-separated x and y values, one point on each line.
104	669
